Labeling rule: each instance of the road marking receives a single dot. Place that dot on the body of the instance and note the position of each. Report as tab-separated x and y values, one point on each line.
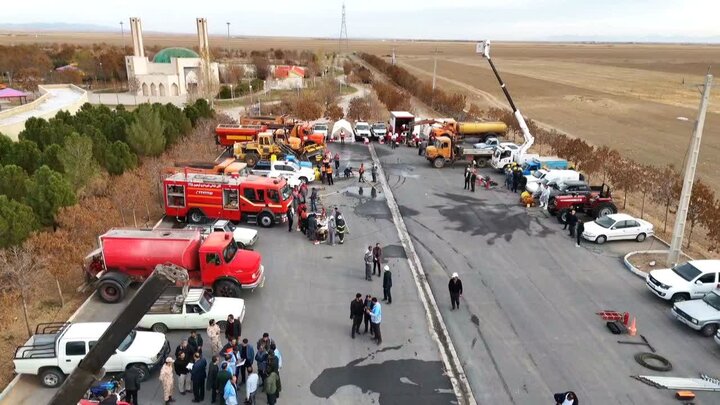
436	324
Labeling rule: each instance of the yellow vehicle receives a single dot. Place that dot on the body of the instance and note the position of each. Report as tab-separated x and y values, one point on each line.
446	150
263	148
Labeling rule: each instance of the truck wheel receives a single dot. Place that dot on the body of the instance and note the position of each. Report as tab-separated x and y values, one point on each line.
227	288
304	179
52	377
438	163
481	163
160	328
680	297
709	329
251	159
562	216
601	239
196	217
605	209
641	237
222	325
265	220
142	370
111	291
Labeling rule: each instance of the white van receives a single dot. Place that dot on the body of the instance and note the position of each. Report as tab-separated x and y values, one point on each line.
550	176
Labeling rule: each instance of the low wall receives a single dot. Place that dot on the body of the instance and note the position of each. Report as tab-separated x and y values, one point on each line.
131	99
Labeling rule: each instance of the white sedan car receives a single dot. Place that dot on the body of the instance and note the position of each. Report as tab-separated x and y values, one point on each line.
617	227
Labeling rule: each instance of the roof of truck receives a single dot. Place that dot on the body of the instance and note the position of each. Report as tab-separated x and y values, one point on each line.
127	233
85	330
217	179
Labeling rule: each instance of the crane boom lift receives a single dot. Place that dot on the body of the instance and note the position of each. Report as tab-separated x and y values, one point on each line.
90	368
483	48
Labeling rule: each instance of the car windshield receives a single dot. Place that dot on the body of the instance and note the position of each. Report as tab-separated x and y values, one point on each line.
361	127
127	341
538	174
229	251
204	303
321	127
286	192
378	126
713	300
605	222
687	271
230	226
292	165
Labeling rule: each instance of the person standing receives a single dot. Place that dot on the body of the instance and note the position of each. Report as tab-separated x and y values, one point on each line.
183	347
247	353
197	376
233	330
466	176
373	172
456	290
261	361
516	179
570	223
377	259
508	178
329	173
272	387
313	200
337	162
230	391
357	310
212	376
473	179
368	303
361	172
322	172
222	378
375	319
579	232
167	380
368	263
290	217
387	285
182	372
213	332
331	231
195	342
545	196
251	386
131	380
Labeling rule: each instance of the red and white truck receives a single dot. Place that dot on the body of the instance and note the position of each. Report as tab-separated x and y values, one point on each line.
214	262
197	197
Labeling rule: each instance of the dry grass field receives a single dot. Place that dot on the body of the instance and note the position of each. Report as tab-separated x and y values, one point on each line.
623	95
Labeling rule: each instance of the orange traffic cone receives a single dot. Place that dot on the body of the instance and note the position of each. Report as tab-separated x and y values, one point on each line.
632	330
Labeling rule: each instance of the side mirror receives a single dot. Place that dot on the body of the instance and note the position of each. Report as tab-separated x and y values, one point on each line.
698	282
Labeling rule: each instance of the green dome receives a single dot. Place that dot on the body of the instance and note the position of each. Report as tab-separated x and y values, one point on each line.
166	54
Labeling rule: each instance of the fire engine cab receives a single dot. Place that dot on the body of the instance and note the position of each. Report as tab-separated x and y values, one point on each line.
197	198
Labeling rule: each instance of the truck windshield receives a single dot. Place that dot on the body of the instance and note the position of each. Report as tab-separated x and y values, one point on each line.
286	192
687	271
713	300
127	341
538	174
229	251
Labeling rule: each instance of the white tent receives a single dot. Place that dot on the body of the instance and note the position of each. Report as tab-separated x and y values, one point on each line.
345	128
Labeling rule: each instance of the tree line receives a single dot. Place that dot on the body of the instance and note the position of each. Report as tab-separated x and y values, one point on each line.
654	187
56	161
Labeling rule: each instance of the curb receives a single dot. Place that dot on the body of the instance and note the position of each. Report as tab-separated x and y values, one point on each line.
15	380
634	270
436	326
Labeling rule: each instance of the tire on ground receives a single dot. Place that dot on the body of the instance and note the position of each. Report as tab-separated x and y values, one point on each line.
658	363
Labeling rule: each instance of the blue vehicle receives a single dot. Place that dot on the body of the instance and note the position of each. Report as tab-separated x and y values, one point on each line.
544	162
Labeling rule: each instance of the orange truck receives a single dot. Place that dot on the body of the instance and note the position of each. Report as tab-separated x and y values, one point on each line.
227	134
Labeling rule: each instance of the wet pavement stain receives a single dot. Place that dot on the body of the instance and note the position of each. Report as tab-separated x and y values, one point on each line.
398	382
394	251
477	217
407	211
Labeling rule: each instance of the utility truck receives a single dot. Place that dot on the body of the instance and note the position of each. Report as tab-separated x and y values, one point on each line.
544	162
447	150
504	156
215	262
244	237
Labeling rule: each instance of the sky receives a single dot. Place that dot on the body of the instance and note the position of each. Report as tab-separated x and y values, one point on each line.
621	20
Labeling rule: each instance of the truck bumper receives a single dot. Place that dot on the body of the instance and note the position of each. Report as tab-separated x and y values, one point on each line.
655	291
685	320
259	282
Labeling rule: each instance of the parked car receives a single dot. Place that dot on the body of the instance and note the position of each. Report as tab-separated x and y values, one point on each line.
684	281
556	176
362	131
569	187
174	310
284	168
617	227
57	348
378	131
702	315
244	237
321	128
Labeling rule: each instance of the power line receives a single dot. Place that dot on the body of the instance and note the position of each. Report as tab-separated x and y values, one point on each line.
343	31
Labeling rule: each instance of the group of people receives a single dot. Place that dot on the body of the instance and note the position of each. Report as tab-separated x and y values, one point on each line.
514	178
369	310
231	365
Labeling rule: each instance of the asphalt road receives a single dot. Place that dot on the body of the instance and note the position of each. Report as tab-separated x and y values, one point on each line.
304	305
527	326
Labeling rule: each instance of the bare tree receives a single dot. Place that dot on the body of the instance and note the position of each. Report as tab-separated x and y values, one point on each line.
19	276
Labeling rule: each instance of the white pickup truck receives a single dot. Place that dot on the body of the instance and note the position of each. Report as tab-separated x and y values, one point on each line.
174	310
702	315
244	237
289	170
55	350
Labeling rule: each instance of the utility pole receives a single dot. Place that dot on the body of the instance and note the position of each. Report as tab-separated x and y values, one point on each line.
343	31
689	177
122	33
228	25
434	68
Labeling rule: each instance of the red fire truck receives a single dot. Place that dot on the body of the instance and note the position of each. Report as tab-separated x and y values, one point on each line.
198	197
227	134
126	256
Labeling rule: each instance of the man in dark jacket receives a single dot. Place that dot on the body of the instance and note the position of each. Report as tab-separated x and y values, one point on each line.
247	353
377	259
387	285
184	347
222	378
233	329
366	316
456	290
523	182
579	232
466	175
197	376
212	378
357	310
195	342
566	398
516	179
570	222
473	179
131	380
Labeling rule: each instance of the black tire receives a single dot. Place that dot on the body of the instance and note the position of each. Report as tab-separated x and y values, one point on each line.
439	162
265	219
680	297
195	216
241	245
142	370
601	239
481	163
227	288
709	330
641	237
562	216
304	179
111	291
222	325
604	209
159	327
52	377
642	359
251	159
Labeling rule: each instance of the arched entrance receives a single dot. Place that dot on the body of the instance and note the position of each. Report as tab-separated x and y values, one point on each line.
161	88
153	90
144	89
174	90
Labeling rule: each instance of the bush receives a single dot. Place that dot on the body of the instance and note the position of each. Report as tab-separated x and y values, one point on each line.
26	155
17	222
51	158
13	181
146	135
78	161
224	93
335	112
47	192
119	158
